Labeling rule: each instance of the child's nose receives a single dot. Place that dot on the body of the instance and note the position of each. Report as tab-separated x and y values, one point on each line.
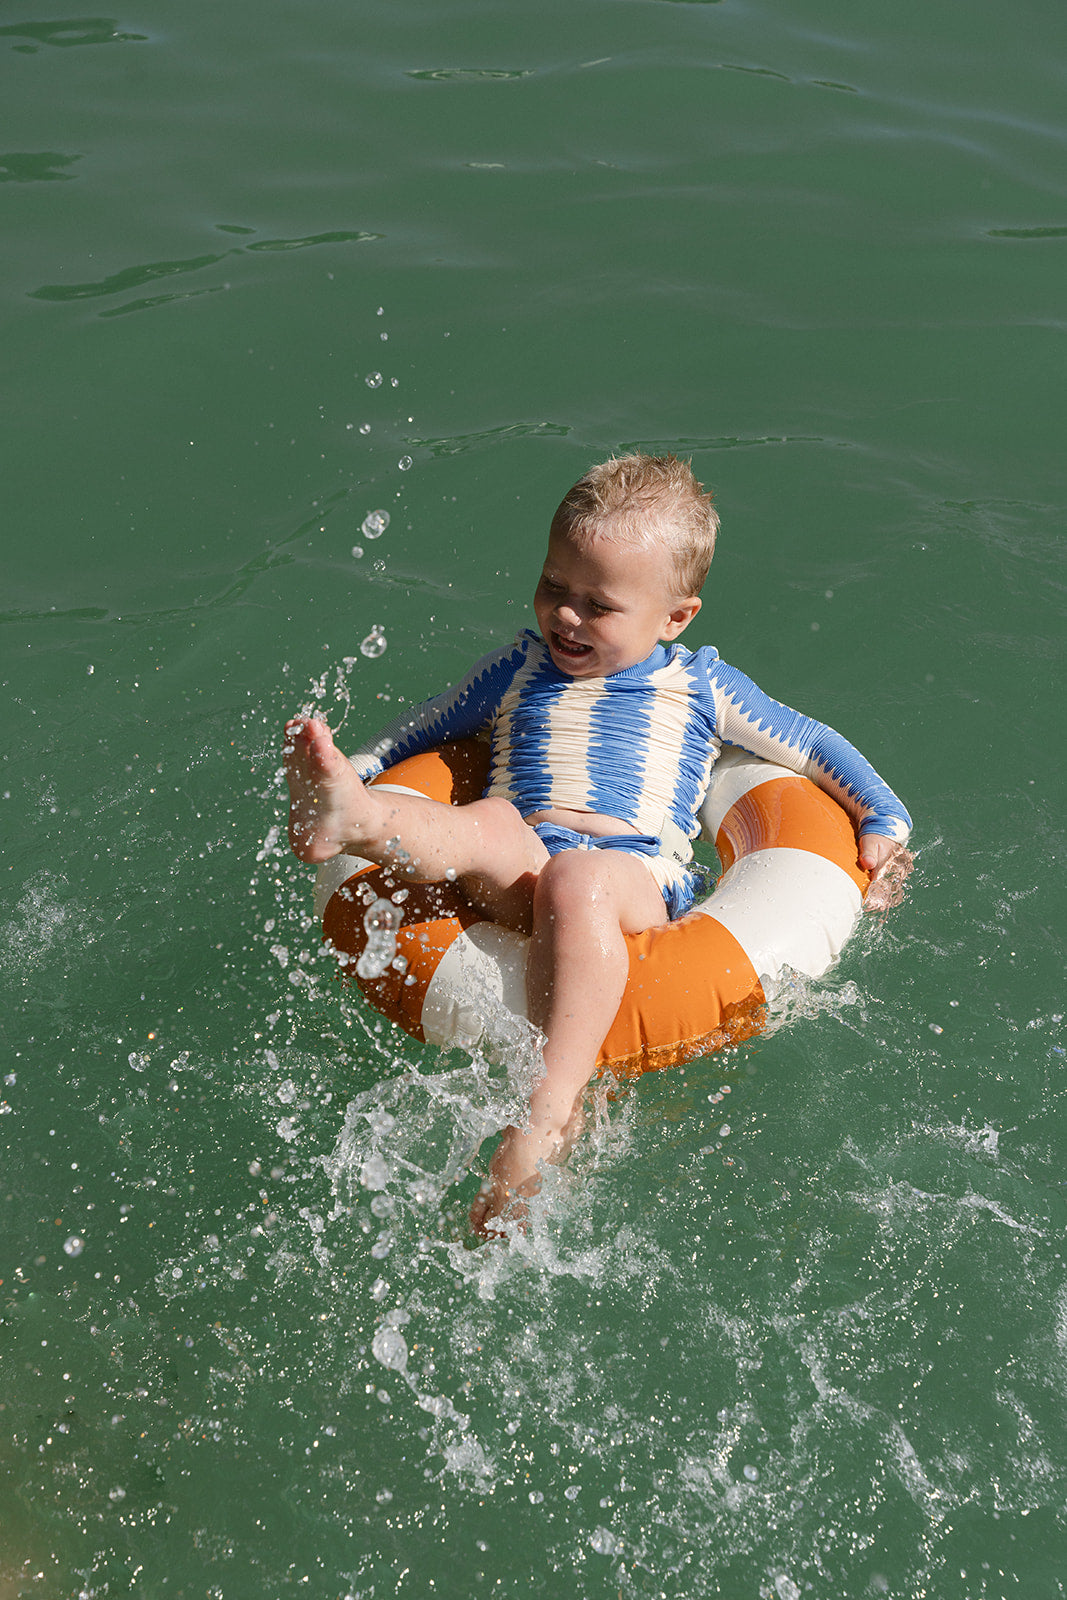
567	613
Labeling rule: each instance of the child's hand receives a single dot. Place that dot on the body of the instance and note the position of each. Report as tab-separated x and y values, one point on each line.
888	864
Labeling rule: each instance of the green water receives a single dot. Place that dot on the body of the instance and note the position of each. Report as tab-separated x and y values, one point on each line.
820	248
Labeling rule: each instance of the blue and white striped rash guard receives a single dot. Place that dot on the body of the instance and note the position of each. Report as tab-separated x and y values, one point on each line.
638	745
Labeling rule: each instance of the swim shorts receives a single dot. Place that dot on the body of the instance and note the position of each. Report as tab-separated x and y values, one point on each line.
678	883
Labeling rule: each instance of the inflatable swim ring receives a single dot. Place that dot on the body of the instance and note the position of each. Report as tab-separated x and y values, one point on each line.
789	896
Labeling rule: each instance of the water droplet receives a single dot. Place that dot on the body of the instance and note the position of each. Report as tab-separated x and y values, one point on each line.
374	644
374	524
404	463
373	381
74	1245
357	551
390	1348
116	1493
751	1473
935	1027
374	1173
604	1542
381	920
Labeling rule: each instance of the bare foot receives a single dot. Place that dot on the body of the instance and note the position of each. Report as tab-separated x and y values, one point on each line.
494	1200
328	803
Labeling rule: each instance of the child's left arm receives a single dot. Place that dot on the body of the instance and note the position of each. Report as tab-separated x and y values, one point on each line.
775	732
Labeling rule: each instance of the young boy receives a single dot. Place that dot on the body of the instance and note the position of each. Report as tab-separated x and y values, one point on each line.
602	747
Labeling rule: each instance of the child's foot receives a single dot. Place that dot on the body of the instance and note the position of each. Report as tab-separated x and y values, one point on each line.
328	803
494	1200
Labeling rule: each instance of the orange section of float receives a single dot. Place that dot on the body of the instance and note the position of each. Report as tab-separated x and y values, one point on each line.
691	988
455	774
435	914
790	813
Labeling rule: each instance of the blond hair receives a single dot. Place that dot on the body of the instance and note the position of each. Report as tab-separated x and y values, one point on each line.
645	501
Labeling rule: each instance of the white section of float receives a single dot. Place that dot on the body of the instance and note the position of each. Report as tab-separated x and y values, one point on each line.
482	972
786	908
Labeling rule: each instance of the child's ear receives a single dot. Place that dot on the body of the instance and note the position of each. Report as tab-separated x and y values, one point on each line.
681	616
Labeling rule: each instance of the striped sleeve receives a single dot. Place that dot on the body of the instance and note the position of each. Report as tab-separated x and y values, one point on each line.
766	728
462	712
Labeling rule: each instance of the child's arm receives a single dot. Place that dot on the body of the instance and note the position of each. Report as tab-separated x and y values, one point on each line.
461	712
749	718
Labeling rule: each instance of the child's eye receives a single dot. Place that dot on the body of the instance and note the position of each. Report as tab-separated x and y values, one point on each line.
601	611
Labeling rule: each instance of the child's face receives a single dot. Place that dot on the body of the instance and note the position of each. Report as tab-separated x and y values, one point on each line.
603	607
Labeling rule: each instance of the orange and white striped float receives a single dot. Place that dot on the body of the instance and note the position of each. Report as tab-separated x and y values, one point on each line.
789	897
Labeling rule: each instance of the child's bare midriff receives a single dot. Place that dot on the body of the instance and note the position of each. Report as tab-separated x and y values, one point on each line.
591	822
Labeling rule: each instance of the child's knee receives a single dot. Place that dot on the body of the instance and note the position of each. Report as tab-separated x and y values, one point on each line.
568	883
497	818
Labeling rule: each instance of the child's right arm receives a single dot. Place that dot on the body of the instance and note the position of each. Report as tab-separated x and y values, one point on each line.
462	712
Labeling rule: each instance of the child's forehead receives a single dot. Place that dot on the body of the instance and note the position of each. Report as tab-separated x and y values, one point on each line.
601	548
607	562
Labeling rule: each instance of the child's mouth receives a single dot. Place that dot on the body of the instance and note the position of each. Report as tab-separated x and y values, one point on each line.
569	649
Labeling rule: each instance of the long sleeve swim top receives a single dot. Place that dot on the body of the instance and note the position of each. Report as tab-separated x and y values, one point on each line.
639	745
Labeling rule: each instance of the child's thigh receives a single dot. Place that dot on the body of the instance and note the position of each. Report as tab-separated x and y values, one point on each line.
503	859
498	837
596	884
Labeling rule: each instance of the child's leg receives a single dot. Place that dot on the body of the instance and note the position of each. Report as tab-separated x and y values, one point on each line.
333	811
578	966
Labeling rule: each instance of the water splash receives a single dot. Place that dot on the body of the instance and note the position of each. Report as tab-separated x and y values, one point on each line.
798	998
381	921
